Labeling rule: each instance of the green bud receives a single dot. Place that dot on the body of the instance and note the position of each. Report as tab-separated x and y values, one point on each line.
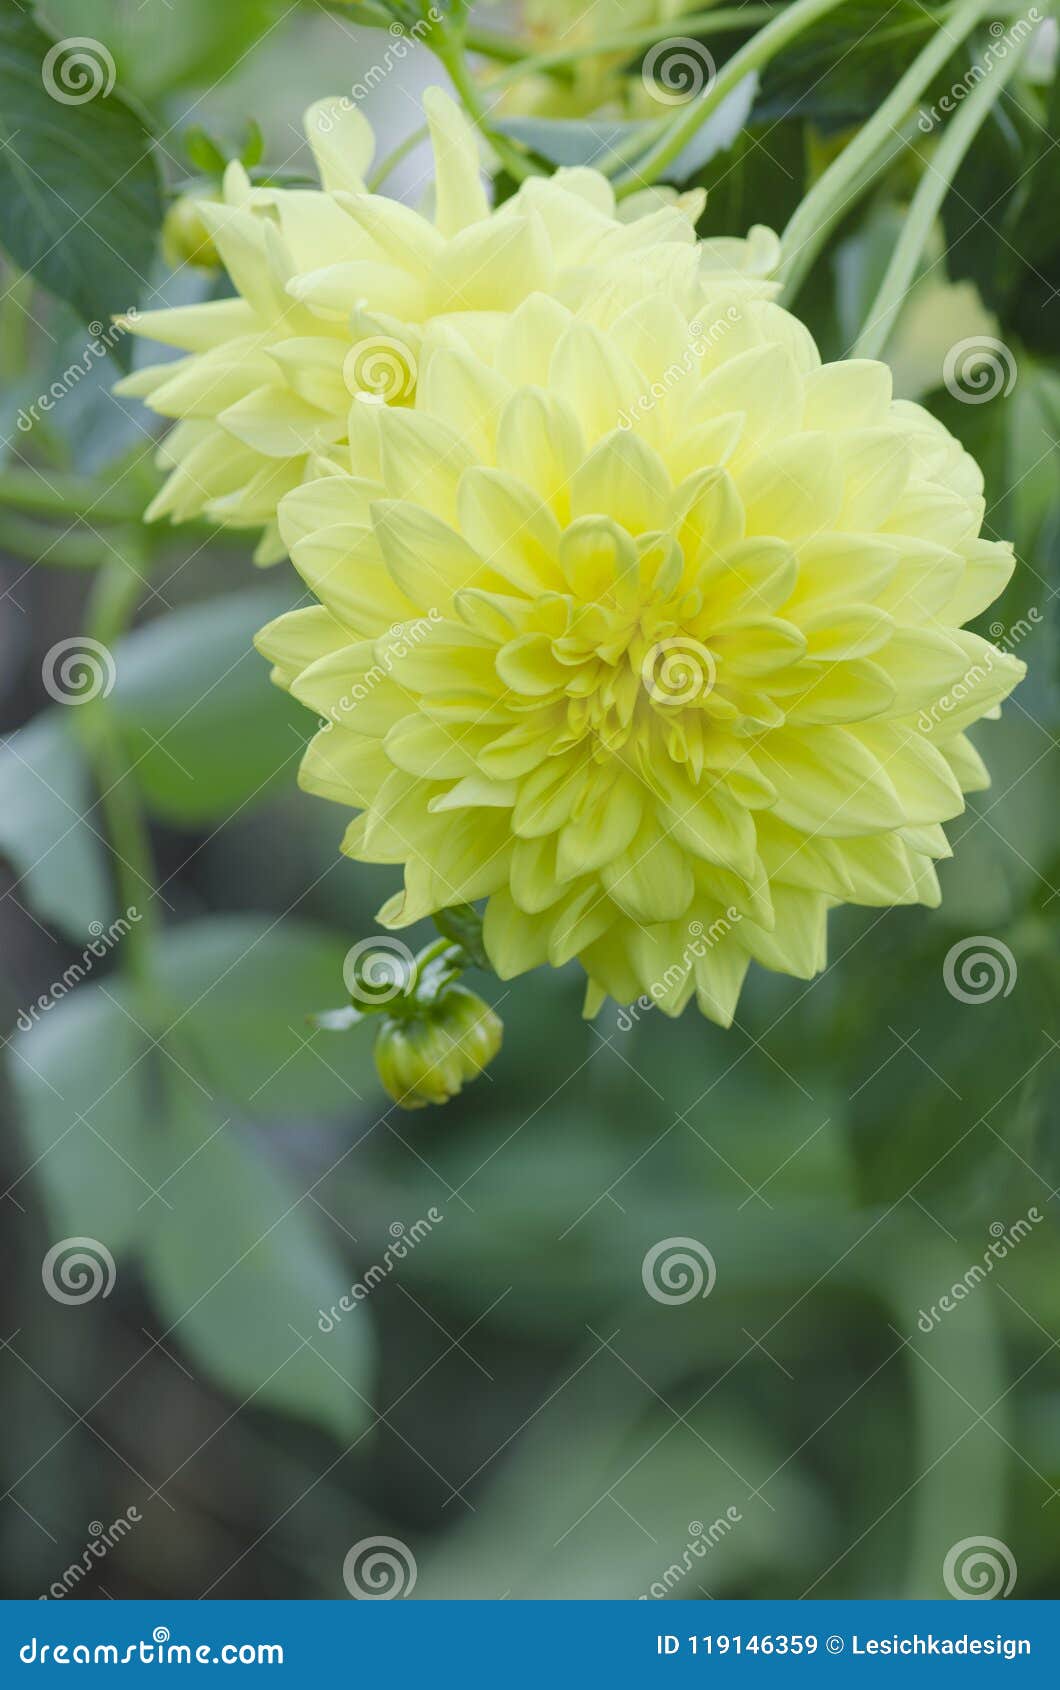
185	237
428	1059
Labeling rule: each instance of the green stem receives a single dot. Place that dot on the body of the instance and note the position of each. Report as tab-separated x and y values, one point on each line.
115	596
449	49
394	158
720	22
47	546
754	55
871	151
926	204
66	496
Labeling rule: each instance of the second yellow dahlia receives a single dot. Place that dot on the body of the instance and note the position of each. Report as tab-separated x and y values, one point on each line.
649	630
336	288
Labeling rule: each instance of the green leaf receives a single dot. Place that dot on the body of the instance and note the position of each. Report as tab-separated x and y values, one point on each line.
86	1086
248	988
80	190
46	829
207	732
139	1134
162	49
240	1268
463	924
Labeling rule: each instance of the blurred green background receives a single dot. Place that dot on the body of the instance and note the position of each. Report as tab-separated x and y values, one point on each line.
509	1402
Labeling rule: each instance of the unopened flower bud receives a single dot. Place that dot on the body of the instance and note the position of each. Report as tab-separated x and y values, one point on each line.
185	237
427	1059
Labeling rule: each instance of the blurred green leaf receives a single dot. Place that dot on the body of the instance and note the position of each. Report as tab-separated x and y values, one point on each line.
46	829
80	190
206	730
239	1268
164	49
247	989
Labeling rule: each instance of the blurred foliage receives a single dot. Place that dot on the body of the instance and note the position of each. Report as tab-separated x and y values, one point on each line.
508	1401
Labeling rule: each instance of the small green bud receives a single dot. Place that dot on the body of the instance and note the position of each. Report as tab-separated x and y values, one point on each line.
427	1059
185	237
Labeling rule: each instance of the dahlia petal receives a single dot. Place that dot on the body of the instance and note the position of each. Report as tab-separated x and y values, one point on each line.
459	193
342	142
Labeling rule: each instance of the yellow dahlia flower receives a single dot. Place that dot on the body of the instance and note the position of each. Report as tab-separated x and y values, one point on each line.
650	632
336	287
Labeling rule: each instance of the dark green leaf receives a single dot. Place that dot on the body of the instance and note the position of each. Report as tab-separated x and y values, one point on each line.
80	191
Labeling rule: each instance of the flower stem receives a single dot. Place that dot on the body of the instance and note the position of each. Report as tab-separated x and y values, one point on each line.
450	50
926	204
115	595
720	22
66	496
871	151
754	55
